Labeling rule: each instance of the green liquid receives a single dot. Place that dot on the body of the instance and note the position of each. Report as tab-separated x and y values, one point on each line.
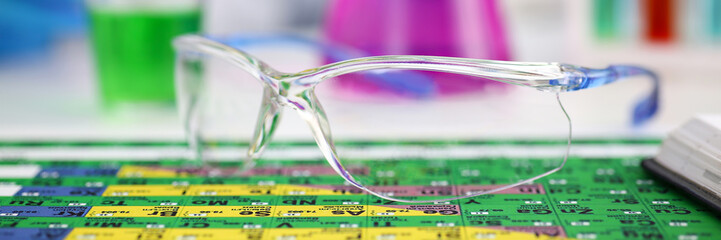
134	54
605	19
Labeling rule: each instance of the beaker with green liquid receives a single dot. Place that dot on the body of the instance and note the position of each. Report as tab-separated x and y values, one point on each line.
132	47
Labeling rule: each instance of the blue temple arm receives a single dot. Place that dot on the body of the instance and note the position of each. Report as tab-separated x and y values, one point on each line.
645	108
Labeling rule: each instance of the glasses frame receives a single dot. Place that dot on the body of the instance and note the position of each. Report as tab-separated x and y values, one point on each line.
296	91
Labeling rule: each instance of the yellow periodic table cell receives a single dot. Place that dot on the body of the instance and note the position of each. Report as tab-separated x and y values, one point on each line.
414	210
414	233
321	211
116	233
214	234
313	233
144	190
230	190
300	190
148	172
227	211
134	211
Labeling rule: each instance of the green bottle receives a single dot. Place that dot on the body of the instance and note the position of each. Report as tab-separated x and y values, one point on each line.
134	55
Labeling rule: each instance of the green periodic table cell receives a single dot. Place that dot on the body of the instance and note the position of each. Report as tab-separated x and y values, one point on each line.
15	181
591	190
289	163
477	218
49	201
598	220
496	211
415	221
676	208
499	171
677	201
586	180
617	209
628	211
422	180
80	181
678	212
313	180
322	200
583	200
615	232
505	199
400	172
373	200
151	181
658	191
699	220
231	201
707	233
142	201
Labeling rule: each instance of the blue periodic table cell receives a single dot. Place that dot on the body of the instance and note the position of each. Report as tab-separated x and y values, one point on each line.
33	233
56	172
40	211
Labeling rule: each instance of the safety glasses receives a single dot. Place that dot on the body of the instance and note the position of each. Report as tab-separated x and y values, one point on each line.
297	91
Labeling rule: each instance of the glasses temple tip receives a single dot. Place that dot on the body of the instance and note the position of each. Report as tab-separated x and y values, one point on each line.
646	107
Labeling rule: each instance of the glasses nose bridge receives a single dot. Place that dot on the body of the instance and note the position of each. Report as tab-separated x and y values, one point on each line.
289	89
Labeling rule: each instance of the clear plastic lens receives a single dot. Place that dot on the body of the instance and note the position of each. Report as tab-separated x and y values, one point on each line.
388	105
222	110
434	108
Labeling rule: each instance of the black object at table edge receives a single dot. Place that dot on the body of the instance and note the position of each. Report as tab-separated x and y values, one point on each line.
700	193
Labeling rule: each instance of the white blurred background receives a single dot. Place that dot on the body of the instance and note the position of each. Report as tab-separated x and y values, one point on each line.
51	94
